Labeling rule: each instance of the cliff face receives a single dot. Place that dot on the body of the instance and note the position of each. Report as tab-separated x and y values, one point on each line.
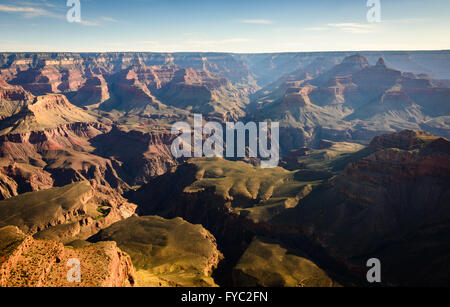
143	155
386	205
50	142
26	262
13	98
135	82
352	101
93	92
311	97
56	157
234	201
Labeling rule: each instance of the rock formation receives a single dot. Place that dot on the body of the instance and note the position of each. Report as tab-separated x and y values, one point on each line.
26	262
75	211
166	252
391	205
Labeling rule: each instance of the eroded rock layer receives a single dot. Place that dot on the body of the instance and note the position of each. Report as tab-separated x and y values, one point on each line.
26	262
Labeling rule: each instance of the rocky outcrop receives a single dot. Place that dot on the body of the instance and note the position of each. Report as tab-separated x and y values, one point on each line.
12	98
166	252
233	200
48	78
56	157
393	193
44	112
144	155
26	262
353	101
94	91
349	66
19	178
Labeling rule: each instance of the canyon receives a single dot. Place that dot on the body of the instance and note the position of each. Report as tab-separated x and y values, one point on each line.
86	167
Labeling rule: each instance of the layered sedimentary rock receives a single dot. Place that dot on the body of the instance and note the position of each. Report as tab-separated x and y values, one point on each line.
94	91
143	155
313	98
27	262
56	157
352	101
67	118
44	112
347	203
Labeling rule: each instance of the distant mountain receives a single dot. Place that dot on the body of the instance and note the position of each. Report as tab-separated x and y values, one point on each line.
353	101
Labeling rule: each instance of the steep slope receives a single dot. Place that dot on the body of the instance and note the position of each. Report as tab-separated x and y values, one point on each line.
234	201
12	99
348	67
266	263
353	101
93	92
50	142
240	188
56	157
65	214
392	205
390	199
166	252
152	91
44	112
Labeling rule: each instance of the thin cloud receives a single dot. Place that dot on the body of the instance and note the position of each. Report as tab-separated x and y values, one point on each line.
353	27
200	42
149	42
348	27
88	23
109	19
24	10
257	21
317	28
29	11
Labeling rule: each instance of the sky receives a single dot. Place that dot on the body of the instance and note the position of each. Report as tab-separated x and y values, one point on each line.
241	26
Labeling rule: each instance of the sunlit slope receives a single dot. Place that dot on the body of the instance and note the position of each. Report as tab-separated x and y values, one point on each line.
166	252
75	211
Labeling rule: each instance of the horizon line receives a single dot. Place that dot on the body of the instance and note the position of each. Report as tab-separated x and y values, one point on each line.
230	52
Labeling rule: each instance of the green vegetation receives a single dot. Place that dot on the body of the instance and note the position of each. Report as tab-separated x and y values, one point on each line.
165	252
252	191
332	158
38	209
104	210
